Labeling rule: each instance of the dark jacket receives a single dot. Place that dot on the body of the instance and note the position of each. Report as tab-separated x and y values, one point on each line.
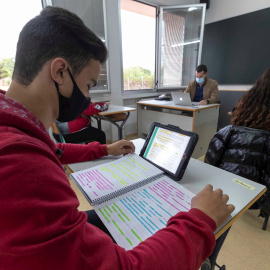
245	152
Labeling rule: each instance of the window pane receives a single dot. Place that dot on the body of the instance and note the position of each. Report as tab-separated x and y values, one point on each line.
21	12
181	29
91	12
138	22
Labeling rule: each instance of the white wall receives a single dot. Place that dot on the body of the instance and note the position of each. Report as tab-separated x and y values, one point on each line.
224	9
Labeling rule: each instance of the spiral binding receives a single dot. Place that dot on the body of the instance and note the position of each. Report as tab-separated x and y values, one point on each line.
124	190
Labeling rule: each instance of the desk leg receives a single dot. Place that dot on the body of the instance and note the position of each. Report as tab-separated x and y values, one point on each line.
120	129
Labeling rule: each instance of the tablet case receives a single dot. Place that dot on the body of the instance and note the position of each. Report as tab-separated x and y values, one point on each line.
187	153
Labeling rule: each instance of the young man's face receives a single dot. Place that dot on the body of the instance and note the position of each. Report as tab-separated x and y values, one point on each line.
88	77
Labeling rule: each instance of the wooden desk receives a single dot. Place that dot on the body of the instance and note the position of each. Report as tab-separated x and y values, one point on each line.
115	114
203	120
199	174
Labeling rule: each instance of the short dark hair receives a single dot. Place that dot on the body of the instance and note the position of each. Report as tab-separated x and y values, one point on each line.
54	33
201	68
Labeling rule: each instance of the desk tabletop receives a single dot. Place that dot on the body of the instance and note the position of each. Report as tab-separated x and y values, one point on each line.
171	105
242	192
113	109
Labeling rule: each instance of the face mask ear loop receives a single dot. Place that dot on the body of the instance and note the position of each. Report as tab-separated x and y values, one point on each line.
57	87
71	76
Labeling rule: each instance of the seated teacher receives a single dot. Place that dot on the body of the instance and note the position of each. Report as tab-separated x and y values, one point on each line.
203	89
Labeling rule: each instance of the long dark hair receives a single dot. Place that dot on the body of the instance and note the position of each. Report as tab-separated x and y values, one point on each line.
253	108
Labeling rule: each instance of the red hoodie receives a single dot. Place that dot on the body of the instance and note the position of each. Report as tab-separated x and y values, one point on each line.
41	227
81	122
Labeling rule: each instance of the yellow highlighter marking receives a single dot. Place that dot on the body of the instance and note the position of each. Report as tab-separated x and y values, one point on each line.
243	184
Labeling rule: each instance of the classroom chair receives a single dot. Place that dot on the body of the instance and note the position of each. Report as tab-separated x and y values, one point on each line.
82	136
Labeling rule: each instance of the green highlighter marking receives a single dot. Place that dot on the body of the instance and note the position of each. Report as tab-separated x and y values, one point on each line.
134	168
128	170
123	173
114	209
115	175
121	211
137	164
137	235
118	227
107	212
122	183
121	217
103	215
129	241
108	208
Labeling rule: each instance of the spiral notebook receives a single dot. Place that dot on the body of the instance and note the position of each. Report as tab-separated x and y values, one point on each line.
135	195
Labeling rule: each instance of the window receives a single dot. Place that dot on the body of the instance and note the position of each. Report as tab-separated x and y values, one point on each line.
180	45
138	25
168	61
10	31
92	14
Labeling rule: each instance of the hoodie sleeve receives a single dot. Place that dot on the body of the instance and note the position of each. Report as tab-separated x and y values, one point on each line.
73	153
95	108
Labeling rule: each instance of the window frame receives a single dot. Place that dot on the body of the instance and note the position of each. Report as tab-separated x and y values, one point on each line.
161	8
95	91
158	29
139	91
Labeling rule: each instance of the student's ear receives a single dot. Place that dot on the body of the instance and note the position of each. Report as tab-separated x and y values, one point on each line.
59	70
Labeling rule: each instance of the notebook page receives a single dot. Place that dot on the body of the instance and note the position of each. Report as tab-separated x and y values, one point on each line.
105	179
133	217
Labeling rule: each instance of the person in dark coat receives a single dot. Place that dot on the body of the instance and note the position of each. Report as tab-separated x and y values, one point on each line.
246	152
243	148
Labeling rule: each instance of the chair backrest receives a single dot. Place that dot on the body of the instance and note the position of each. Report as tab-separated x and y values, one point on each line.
57	134
83	136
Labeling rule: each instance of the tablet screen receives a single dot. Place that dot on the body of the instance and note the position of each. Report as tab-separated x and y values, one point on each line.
166	148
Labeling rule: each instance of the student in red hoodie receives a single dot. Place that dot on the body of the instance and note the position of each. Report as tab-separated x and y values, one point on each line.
57	61
82	121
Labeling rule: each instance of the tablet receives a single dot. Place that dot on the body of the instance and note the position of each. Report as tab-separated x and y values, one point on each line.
169	148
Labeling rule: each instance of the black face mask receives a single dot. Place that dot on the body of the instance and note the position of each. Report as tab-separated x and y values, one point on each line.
70	108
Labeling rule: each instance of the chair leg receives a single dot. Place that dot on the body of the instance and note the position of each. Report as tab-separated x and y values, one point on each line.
223	267
265	223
